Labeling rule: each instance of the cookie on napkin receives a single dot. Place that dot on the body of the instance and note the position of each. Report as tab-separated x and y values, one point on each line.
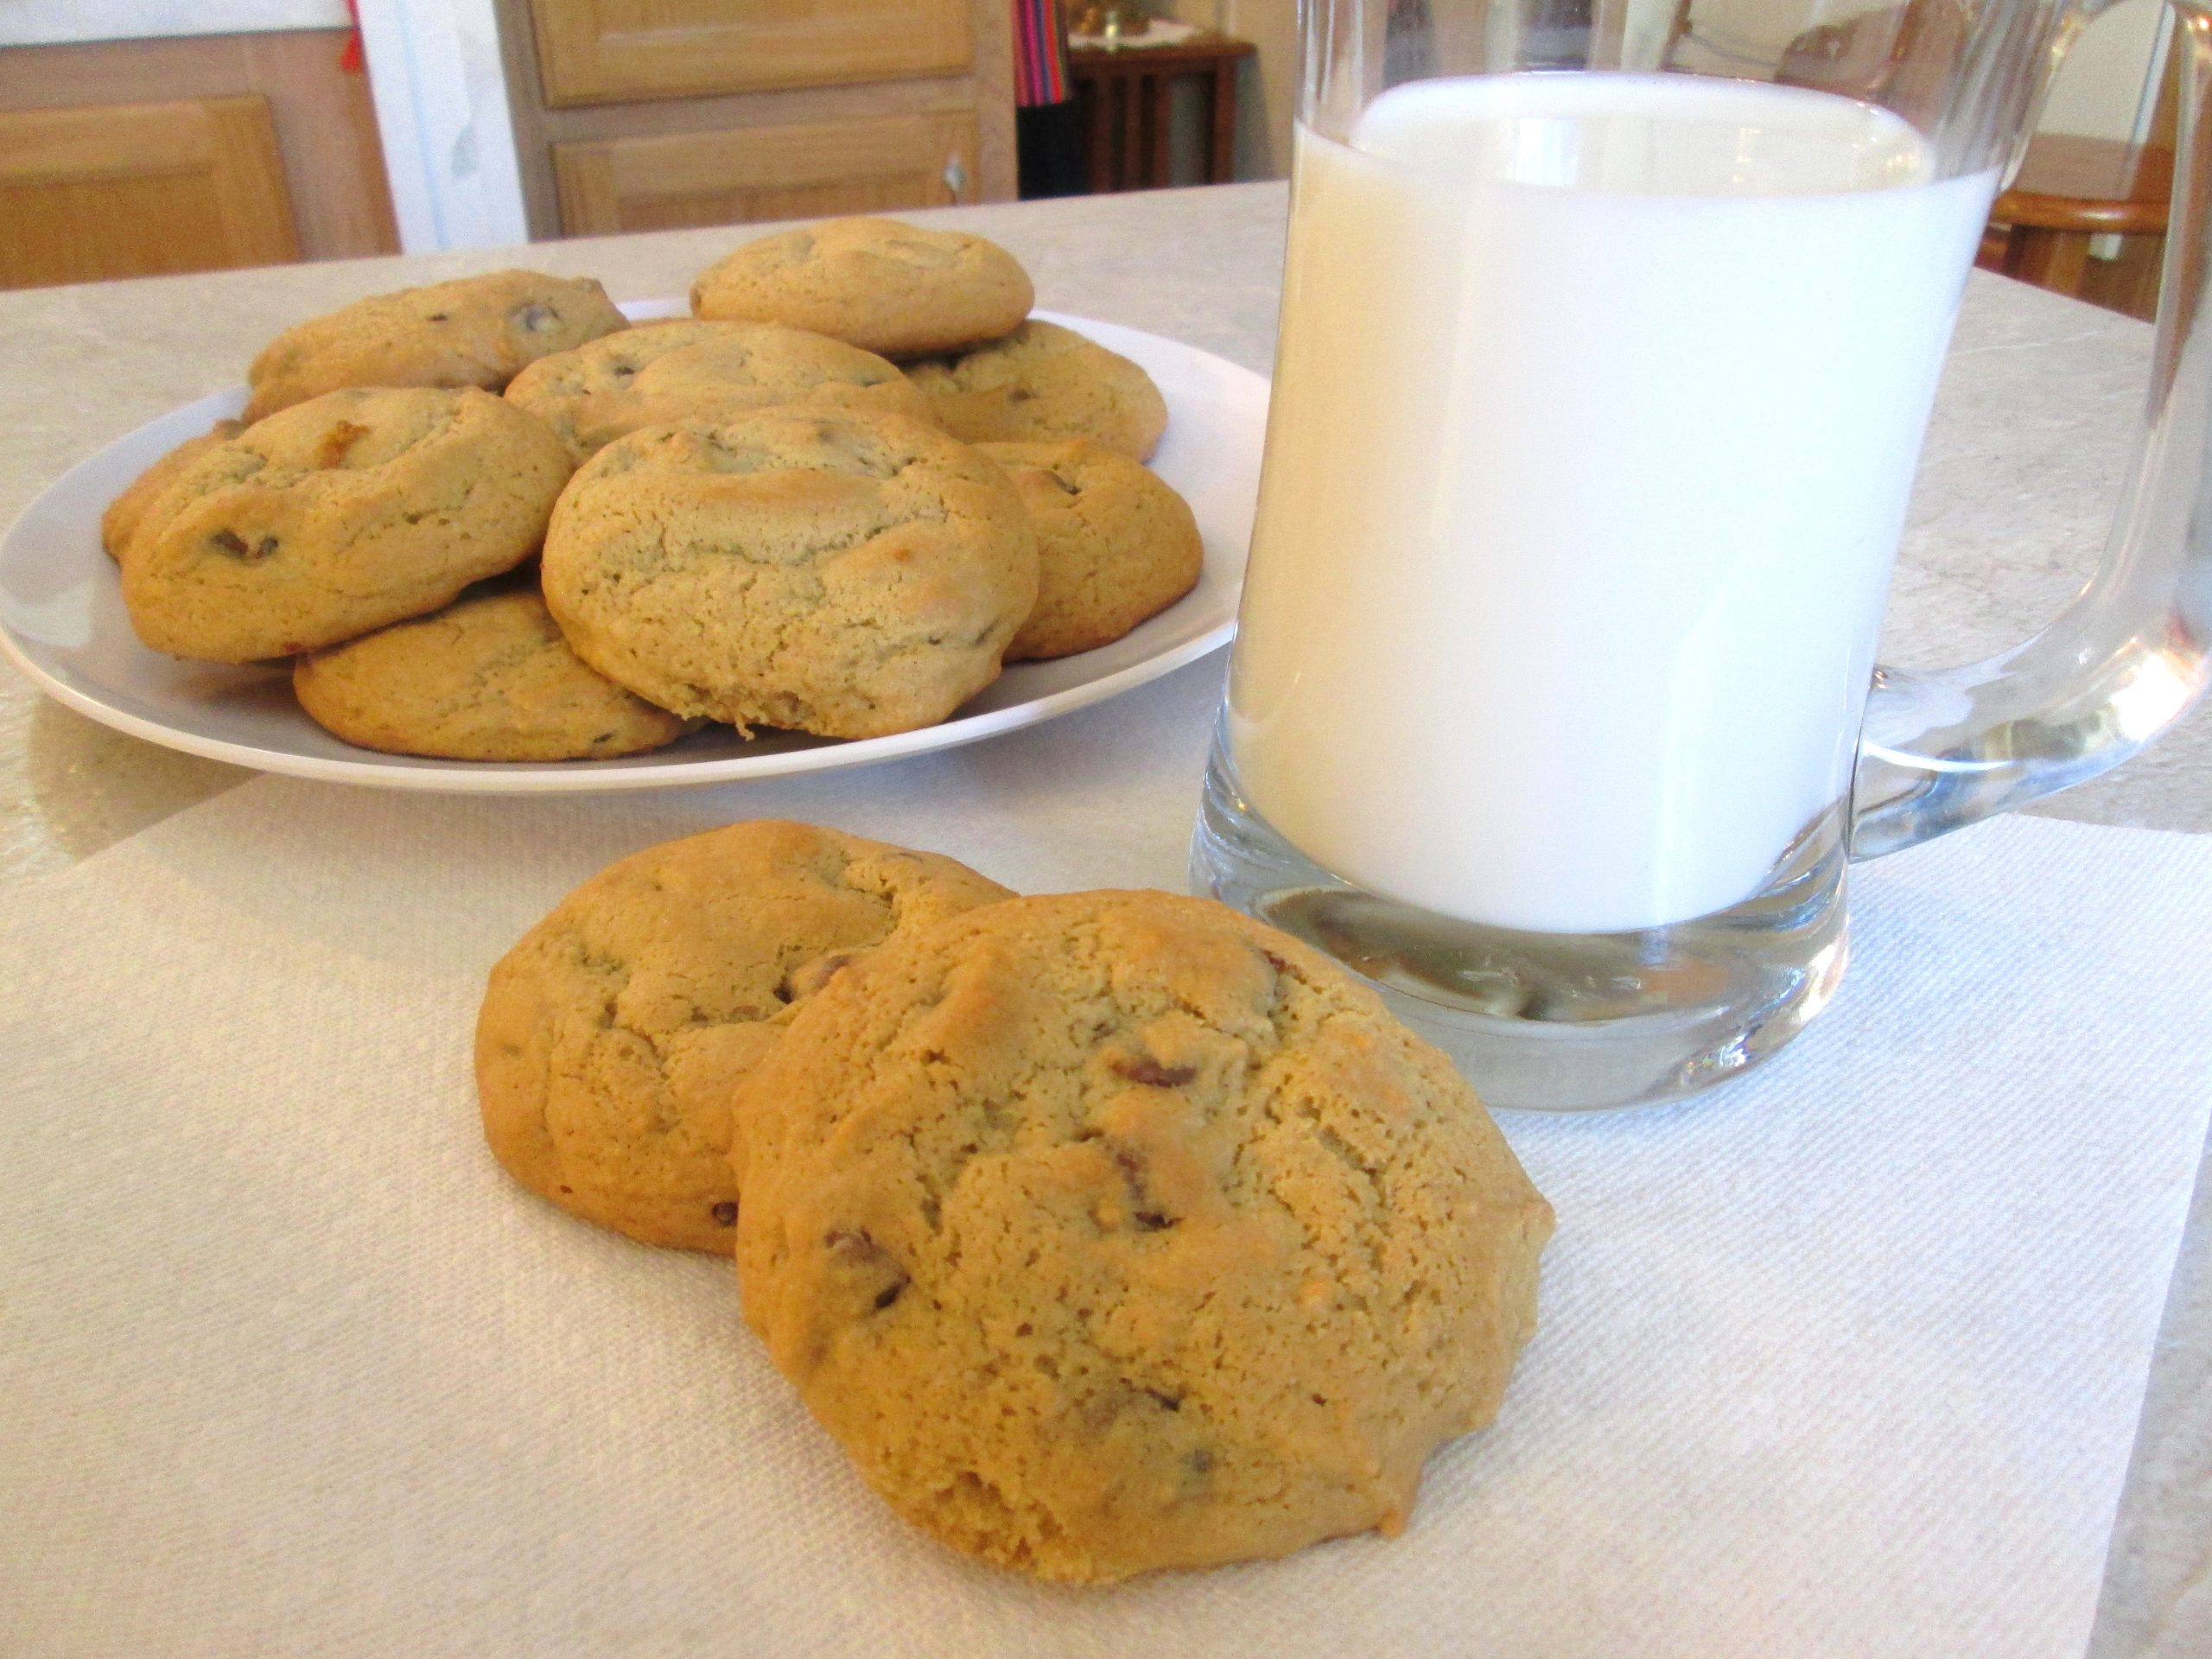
877	284
1115	1231
489	677
612	1035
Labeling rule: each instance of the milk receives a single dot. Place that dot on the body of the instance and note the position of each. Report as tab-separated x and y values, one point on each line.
1597	403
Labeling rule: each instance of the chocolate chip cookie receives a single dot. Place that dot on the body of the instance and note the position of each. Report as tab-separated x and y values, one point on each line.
833	572
1115	1231
1043	383
337	516
489	677
876	284
476	331
612	1035
1115	545
125	514
702	371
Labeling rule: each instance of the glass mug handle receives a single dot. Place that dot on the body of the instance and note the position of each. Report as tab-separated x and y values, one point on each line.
1941	750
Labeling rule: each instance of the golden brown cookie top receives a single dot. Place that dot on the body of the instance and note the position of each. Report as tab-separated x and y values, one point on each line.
1043	383
350	434
475	331
337	516
876	284
1115	544
692	370
489	677
1113	1231
611	1034
830	571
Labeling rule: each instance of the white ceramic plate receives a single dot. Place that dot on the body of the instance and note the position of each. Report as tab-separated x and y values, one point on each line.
62	622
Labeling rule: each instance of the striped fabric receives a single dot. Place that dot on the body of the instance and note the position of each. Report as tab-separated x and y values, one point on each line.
1040	54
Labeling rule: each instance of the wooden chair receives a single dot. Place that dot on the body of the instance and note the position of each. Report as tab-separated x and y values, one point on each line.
2068	190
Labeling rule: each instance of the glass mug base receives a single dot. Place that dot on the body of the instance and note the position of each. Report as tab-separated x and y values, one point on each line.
1556	1021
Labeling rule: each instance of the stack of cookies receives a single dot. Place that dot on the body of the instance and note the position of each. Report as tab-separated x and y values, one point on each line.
837	500
1105	1232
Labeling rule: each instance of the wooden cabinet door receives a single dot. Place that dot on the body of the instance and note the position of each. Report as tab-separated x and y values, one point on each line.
139	190
614	51
797	170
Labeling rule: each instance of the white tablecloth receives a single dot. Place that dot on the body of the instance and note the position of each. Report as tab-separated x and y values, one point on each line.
1845	1359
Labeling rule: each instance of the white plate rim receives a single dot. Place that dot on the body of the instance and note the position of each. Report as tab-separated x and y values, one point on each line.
502	777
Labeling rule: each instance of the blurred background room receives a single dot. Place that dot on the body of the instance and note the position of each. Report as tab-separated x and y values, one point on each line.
144	136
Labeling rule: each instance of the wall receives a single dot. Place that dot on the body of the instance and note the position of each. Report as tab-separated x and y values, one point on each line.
2105	85
2105	82
448	134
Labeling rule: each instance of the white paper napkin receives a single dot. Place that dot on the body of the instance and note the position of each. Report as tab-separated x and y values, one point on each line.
1845	1359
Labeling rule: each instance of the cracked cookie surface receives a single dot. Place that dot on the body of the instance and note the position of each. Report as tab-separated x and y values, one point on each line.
612	1033
1116	1231
1043	383
337	516
828	571
489	677
876	284
693	371
1115	544
475	331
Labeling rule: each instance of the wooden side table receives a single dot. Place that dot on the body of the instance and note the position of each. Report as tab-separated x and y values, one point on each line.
1128	114
2068	190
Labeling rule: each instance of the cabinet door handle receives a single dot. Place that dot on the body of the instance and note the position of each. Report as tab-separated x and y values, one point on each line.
956	177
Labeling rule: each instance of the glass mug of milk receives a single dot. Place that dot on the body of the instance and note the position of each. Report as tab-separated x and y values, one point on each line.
1609	336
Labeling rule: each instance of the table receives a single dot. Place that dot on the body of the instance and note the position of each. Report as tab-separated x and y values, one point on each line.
1129	114
2030	438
